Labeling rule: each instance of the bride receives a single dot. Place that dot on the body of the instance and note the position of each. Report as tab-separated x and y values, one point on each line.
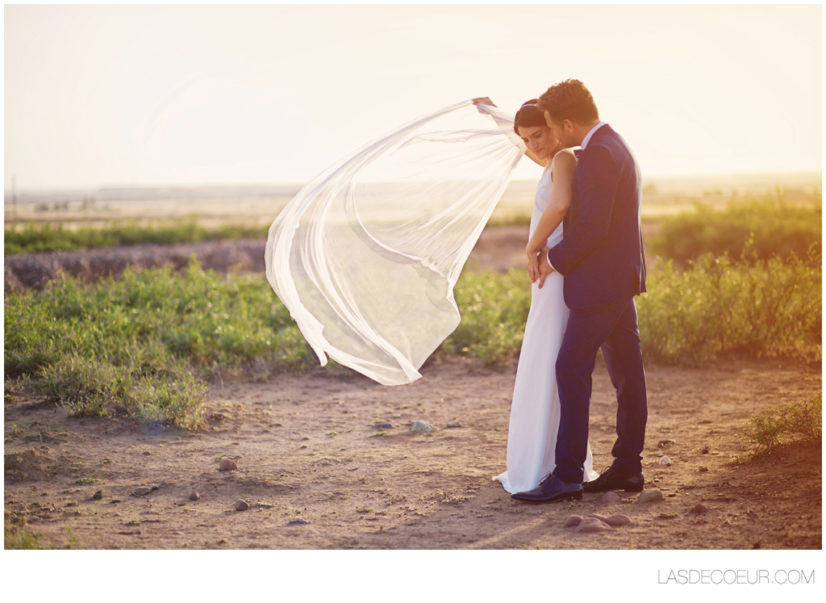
534	415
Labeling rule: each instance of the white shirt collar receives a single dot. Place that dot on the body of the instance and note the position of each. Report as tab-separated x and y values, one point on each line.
590	134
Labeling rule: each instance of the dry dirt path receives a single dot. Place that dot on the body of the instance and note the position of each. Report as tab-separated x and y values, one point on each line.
319	470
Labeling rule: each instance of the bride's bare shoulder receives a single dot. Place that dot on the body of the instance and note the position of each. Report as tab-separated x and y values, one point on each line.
566	153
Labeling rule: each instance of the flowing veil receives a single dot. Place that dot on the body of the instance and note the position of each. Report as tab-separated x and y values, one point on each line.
366	255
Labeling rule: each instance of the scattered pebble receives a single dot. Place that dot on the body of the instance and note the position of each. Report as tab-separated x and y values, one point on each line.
609	498
297	522
618	520
241	505
698	509
572	521
453	425
154	487
227	465
141	491
703	469
664	460
114	501
422	427
98	495
592	524
383	426
194	496
647	496
705	450
664	443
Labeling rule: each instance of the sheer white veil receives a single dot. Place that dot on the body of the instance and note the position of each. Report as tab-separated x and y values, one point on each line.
366	255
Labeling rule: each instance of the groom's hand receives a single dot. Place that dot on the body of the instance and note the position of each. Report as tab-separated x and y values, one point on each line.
544	266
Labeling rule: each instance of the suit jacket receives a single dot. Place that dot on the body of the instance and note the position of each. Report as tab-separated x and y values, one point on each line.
601	255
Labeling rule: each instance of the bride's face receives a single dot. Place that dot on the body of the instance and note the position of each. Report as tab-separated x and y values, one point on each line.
538	139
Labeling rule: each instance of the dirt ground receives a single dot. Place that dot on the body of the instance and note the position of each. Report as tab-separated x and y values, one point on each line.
320	468
327	460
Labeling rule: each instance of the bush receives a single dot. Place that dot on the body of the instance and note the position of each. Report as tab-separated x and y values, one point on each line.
38	237
767	228
798	421
768	308
494	309
142	345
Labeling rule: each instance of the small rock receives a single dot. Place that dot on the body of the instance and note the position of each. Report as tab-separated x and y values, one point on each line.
453	425
227	465
664	443
154	487
572	521
383	426
98	495
422	427
241	505
609	498
698	509
664	460
114	501
297	522
194	496
592	524
703	469
647	496
141	491
705	450
618	520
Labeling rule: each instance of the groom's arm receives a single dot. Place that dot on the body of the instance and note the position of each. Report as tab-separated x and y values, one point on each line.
597	186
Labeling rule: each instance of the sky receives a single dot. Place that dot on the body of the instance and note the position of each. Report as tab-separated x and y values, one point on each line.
153	95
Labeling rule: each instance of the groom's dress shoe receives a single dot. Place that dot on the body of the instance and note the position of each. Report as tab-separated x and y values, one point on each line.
550	489
613	479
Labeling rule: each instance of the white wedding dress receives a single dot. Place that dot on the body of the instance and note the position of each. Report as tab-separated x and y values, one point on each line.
534	417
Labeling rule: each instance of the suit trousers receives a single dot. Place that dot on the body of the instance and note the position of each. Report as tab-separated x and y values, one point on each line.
613	328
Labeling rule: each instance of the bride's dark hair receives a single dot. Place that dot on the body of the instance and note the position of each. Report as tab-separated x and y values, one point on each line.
528	116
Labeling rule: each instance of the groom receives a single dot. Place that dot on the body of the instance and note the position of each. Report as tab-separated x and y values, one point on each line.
601	258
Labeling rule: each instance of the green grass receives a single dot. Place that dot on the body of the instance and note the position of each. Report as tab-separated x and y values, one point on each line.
744	230
32	237
767	308
146	345
800	421
20	537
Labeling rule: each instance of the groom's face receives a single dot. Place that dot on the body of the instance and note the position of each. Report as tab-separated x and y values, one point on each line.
562	131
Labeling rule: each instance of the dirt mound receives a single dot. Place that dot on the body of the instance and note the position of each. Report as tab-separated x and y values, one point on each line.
34	270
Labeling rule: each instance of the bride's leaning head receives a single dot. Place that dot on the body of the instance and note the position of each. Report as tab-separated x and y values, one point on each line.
529	124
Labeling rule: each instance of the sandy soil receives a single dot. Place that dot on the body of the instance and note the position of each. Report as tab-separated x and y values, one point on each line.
328	460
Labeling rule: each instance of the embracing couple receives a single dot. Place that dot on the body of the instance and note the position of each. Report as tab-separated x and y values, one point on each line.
586	264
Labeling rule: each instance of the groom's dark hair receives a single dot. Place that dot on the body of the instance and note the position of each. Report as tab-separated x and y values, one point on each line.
569	100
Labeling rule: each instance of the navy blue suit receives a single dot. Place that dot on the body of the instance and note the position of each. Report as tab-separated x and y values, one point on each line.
601	257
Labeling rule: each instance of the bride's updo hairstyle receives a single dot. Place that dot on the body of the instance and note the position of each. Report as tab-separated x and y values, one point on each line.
528	116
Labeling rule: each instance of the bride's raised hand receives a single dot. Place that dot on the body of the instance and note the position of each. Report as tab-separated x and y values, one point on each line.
483	100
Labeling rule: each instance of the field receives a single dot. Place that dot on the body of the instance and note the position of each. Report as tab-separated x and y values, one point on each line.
123	397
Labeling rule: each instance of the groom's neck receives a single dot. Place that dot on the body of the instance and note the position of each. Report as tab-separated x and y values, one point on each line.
581	130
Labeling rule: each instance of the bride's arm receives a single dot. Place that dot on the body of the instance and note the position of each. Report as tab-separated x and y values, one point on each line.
562	172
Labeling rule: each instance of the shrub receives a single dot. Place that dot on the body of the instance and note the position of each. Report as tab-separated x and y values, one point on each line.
768	308
770	227
46	237
797	421
142	345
